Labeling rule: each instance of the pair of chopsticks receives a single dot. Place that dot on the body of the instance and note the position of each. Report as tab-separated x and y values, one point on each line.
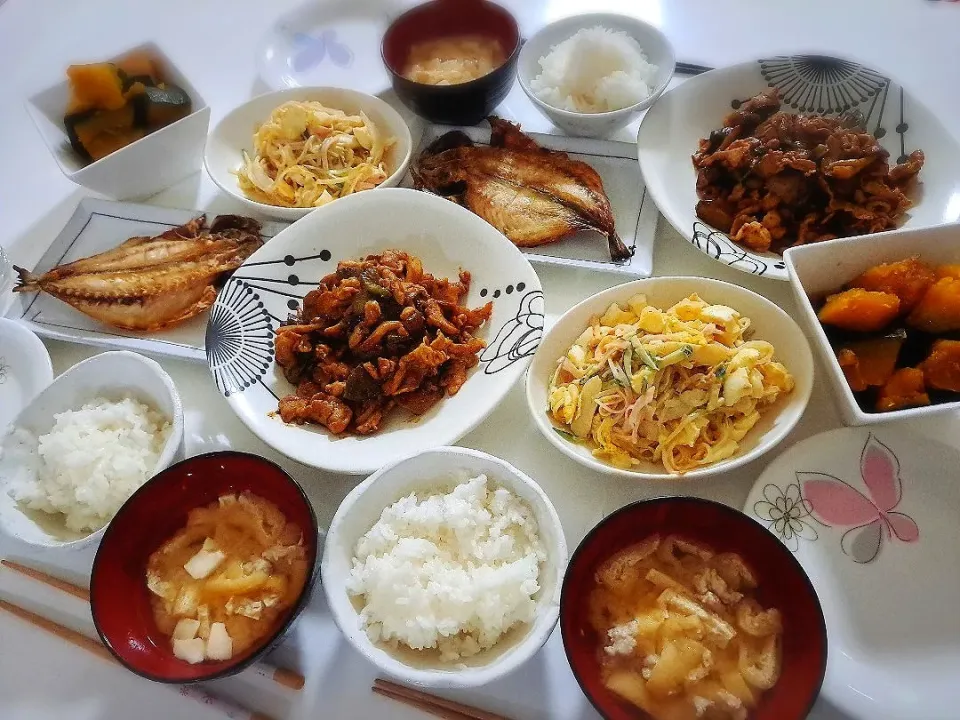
431	704
282	676
685	68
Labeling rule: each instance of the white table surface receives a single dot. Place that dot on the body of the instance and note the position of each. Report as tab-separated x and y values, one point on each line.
214	41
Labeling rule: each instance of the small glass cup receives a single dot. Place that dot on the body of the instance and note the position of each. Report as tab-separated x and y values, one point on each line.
6	281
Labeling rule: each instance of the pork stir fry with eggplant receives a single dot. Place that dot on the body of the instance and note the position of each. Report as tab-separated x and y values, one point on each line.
377	334
772	179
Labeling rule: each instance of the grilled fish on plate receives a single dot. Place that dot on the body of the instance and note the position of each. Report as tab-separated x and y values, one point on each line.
152	283
532	195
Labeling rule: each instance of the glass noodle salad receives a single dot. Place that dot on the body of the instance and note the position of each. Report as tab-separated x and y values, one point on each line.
308	155
681	386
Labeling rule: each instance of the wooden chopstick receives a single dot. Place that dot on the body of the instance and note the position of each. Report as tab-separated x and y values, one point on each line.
282	676
436	706
228	709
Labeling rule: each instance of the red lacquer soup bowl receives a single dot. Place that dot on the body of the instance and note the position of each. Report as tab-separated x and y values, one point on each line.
782	584
119	598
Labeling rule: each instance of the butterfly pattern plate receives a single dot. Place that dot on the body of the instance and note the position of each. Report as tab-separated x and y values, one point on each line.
872	515
671	129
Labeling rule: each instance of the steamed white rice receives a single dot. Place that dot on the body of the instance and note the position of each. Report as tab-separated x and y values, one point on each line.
596	70
90	463
449	571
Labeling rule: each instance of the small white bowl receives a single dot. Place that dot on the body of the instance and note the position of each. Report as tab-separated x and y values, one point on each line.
142	168
361	509
768	322
818	269
655	46
234	134
25	369
109	374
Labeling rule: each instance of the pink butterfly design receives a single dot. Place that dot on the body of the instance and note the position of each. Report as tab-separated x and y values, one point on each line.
836	503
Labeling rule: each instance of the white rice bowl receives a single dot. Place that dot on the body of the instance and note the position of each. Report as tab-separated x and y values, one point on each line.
596	70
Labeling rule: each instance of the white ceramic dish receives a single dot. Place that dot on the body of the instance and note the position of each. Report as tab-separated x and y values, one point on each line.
25	369
274	280
428	471
655	45
768	322
96	226
234	134
330	43
110	374
822	268
872	518
670	131
143	168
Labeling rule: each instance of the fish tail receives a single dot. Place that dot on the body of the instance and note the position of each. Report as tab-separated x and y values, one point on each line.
618	251
27	281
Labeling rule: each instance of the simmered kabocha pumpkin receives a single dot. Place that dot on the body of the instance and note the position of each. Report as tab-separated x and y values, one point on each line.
907	279
860	310
113	105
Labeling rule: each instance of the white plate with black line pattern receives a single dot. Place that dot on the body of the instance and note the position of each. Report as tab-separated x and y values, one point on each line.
97	226
671	129
271	284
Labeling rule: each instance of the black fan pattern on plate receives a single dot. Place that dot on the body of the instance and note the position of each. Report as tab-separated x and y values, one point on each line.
718	246
518	338
239	338
816	83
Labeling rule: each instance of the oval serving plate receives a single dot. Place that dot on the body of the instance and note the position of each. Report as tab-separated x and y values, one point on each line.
671	129
871	514
272	282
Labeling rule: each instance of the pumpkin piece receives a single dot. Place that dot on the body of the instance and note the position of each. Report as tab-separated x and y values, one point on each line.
101	133
873	361
95	87
939	310
860	310
941	369
943	271
850	364
160	106
907	279
904	389
140	65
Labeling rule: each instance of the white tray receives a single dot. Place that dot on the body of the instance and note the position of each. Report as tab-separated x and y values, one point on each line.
98	225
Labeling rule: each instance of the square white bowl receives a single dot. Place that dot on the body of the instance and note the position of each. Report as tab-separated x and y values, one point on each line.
821	268
142	168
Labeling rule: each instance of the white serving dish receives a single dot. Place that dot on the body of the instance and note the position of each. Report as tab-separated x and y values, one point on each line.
655	46
234	134
143	168
96	226
822	268
110	374
871	514
428	471
25	369
669	135
273	281
768	322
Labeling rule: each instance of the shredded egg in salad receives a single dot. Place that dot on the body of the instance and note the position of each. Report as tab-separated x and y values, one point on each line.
308	155
681	386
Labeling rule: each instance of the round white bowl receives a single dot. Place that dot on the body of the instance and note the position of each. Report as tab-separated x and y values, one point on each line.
767	321
234	134
655	46
109	374
361	509
25	368
274	280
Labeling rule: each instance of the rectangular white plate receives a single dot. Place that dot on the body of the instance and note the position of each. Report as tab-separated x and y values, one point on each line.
634	212
96	226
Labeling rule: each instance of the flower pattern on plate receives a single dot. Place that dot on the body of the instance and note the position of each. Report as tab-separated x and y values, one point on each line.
866	518
786	513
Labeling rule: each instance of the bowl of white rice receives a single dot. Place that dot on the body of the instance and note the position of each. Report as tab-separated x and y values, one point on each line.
444	569
592	74
83	446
